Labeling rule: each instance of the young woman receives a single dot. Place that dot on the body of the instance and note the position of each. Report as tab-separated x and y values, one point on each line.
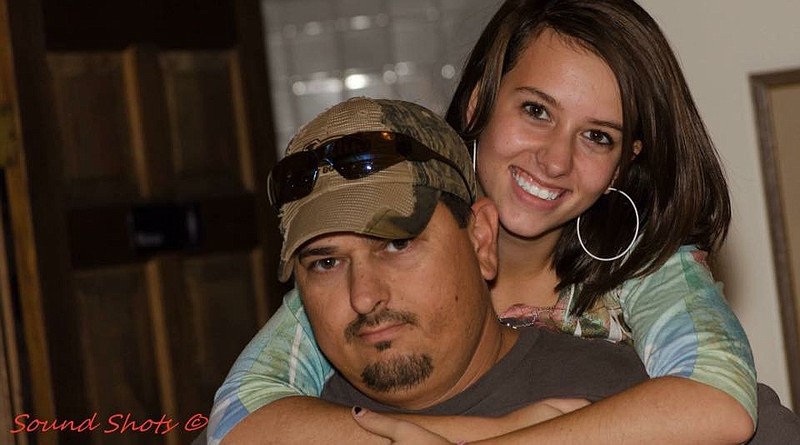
577	111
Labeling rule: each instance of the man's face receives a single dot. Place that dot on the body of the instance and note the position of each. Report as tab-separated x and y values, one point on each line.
400	319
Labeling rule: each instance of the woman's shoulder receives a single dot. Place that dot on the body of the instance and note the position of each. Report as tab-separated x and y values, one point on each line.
683	281
687	266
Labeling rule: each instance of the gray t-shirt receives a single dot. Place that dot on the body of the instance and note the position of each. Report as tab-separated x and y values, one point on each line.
544	365
540	365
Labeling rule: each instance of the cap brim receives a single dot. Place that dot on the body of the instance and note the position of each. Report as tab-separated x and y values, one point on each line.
384	210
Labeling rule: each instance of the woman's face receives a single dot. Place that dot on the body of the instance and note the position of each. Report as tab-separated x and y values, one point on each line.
554	140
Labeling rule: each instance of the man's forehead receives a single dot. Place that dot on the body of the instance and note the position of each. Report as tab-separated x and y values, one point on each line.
332	242
328	243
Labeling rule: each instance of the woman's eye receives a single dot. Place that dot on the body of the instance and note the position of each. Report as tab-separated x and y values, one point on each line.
599	137
398	244
536	110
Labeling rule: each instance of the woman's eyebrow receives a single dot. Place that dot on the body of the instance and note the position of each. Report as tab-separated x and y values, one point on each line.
615	125
544	96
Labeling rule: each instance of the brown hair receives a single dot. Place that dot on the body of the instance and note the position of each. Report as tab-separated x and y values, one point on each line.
676	181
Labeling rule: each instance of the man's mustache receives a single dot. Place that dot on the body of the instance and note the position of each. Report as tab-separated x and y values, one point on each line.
362	321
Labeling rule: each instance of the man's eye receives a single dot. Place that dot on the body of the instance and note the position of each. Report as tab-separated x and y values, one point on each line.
398	245
323	264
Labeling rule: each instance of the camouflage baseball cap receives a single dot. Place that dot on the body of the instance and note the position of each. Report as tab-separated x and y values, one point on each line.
394	203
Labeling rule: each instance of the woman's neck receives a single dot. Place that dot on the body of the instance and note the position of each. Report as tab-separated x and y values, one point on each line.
525	274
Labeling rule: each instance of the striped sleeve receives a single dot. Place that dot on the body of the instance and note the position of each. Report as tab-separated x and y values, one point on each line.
682	326
282	360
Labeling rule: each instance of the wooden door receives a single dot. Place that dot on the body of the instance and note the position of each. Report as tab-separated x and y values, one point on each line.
161	250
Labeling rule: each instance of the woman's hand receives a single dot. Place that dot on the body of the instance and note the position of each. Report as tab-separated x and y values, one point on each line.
403	432
400	432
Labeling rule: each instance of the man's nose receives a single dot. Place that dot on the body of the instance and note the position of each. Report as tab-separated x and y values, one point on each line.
368	291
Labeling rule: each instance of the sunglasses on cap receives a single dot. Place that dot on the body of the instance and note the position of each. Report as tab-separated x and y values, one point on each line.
353	156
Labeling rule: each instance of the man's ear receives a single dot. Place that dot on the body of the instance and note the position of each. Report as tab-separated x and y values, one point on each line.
483	234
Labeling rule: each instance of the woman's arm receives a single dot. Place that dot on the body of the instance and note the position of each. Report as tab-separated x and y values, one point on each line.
683	327
300	420
281	361
654	412
307	420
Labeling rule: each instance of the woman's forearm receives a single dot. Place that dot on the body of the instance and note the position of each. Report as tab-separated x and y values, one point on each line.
300	420
308	420
665	410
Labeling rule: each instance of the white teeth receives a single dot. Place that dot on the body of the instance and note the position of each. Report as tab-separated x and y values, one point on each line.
533	189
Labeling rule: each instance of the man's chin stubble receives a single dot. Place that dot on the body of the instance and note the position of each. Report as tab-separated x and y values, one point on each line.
397	373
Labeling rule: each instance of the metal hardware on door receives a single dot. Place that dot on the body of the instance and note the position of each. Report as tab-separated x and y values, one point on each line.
164	227
105	235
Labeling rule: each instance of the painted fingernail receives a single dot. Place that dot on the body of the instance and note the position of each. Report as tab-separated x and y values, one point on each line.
357	410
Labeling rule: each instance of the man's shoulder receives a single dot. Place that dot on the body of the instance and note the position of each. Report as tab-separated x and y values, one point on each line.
572	354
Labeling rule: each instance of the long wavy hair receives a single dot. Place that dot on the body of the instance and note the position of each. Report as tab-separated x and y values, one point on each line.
676	181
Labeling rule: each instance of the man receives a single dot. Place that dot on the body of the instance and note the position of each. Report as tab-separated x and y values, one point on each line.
392	252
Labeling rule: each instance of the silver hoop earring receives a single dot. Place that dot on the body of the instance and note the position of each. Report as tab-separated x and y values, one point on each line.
633	241
474	155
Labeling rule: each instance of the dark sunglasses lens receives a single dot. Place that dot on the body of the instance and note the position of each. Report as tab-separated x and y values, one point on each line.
360	155
294	178
355	166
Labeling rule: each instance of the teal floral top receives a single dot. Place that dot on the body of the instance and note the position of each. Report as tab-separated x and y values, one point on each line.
604	320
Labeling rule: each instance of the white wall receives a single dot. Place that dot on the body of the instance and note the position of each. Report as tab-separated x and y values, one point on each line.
720	43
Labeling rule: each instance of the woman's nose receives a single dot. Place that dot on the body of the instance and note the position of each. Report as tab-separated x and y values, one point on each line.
555	156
